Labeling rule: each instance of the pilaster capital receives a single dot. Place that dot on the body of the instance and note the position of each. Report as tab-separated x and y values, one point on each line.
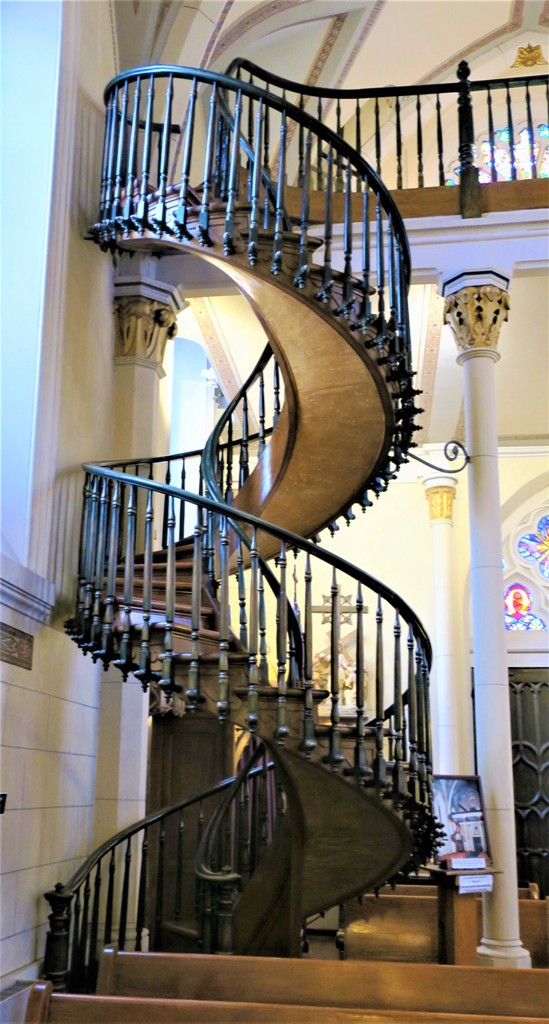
475	309
440	492
142	328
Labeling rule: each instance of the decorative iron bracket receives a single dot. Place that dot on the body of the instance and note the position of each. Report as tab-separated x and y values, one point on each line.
452	451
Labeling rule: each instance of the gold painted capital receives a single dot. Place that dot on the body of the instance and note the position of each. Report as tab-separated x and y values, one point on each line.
142	328
441	502
475	314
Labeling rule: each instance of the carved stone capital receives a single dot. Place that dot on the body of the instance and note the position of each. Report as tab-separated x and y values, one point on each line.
441	502
142	328
475	314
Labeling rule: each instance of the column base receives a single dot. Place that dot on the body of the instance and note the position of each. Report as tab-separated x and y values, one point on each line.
494	953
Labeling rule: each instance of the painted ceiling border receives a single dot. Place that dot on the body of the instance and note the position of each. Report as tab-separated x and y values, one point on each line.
361	38
544	16
515	21
248	21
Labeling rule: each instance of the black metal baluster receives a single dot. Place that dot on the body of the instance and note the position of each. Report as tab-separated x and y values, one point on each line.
159	904
203	226
249	165
302	275
420	707
281	647
132	157
111	172
106	164
491	134
380	269
78	628
261	412
182	501
116	200
327	274
141	219
276	392
234	178
75	982
319	157
253	669
229	495
142	893
398	143
124	661
266	164
263	663
123	921
339	162
378	137
93	962
83	961
510	132
412	720
346	305
243	619
335	757
278	240
365	317
193	697
161	208
531	143
419	132
256	188
379	760
180	216
301	145
440	144
362	771
109	909
223	599
398	779
244	462
308	744
391	281
358	142
179	868
167	680
427	729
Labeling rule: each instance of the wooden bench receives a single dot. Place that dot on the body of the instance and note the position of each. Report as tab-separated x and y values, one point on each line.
419	988
404	926
46	1006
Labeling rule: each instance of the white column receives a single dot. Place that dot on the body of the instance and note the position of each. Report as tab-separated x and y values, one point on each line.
475	309
451	740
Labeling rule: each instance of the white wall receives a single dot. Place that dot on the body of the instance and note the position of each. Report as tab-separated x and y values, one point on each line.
57	378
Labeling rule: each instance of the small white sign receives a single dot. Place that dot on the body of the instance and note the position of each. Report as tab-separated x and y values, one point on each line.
475	883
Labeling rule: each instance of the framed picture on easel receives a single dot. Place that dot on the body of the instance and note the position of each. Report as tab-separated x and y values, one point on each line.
458	805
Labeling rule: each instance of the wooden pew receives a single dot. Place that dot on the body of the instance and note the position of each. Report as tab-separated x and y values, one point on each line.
509	994
402	925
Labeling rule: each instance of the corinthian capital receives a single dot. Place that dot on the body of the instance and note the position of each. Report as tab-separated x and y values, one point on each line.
143	326
475	313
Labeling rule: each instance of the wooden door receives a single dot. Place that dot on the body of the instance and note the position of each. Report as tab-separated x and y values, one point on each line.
529	694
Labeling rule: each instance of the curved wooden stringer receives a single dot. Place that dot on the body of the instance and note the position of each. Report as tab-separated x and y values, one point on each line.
335	841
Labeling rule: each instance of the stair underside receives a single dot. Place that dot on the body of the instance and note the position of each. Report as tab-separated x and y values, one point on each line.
330	379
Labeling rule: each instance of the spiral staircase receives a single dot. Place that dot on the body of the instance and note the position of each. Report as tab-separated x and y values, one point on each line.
352	795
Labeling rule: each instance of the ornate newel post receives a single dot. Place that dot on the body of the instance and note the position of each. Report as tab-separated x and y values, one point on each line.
476	306
452	742
56	959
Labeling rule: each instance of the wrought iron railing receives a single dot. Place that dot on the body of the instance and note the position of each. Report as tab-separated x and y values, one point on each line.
416	136
134	885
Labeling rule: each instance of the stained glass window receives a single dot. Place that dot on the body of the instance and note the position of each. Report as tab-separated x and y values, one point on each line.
502	156
534	547
518	602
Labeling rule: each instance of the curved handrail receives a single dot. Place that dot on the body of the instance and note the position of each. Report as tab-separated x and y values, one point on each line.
84	870
291	540
343	150
270	78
